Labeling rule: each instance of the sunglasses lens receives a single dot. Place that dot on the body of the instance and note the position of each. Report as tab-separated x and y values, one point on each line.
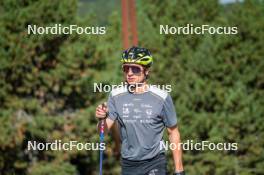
126	69
134	69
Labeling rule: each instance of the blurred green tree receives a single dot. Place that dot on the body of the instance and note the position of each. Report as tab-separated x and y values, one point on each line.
47	83
217	79
47	86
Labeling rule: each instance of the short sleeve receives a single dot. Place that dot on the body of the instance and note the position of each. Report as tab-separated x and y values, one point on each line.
112	112
168	112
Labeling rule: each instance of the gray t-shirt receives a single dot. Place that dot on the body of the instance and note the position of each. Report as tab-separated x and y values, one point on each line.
141	119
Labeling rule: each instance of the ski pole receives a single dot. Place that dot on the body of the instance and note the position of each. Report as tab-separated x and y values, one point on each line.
102	126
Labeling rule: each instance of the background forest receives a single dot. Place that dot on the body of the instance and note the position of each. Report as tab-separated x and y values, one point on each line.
47	82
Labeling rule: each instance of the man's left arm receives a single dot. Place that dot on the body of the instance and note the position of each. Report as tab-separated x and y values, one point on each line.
174	137
170	121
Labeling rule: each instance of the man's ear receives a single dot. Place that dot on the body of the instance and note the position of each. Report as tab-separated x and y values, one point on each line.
146	72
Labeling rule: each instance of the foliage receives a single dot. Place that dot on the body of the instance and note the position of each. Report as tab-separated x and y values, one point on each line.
47	81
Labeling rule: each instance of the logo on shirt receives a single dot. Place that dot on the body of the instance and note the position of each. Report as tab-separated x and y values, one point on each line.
136	116
137	99
145	105
128	104
125	110
137	110
130	121
149	111
146	121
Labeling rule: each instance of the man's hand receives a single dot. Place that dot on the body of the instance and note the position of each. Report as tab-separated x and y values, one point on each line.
101	114
101	111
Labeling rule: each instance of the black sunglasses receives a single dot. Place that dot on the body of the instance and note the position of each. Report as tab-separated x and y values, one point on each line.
134	69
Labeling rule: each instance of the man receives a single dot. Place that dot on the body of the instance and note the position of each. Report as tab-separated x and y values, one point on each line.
142	112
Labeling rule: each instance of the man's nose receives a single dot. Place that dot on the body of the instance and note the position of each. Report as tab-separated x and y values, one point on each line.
130	71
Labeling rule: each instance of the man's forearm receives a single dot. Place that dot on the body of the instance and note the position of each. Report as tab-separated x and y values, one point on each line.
105	128
174	137
108	125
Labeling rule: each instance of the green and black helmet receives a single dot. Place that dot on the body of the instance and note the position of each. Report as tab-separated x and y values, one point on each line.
137	55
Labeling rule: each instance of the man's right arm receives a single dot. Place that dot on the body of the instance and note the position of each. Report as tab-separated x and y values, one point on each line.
101	114
108	123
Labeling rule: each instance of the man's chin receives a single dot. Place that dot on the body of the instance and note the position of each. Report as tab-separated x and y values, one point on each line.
131	82
134	83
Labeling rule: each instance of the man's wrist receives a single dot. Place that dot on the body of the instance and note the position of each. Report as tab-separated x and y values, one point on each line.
106	115
179	173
